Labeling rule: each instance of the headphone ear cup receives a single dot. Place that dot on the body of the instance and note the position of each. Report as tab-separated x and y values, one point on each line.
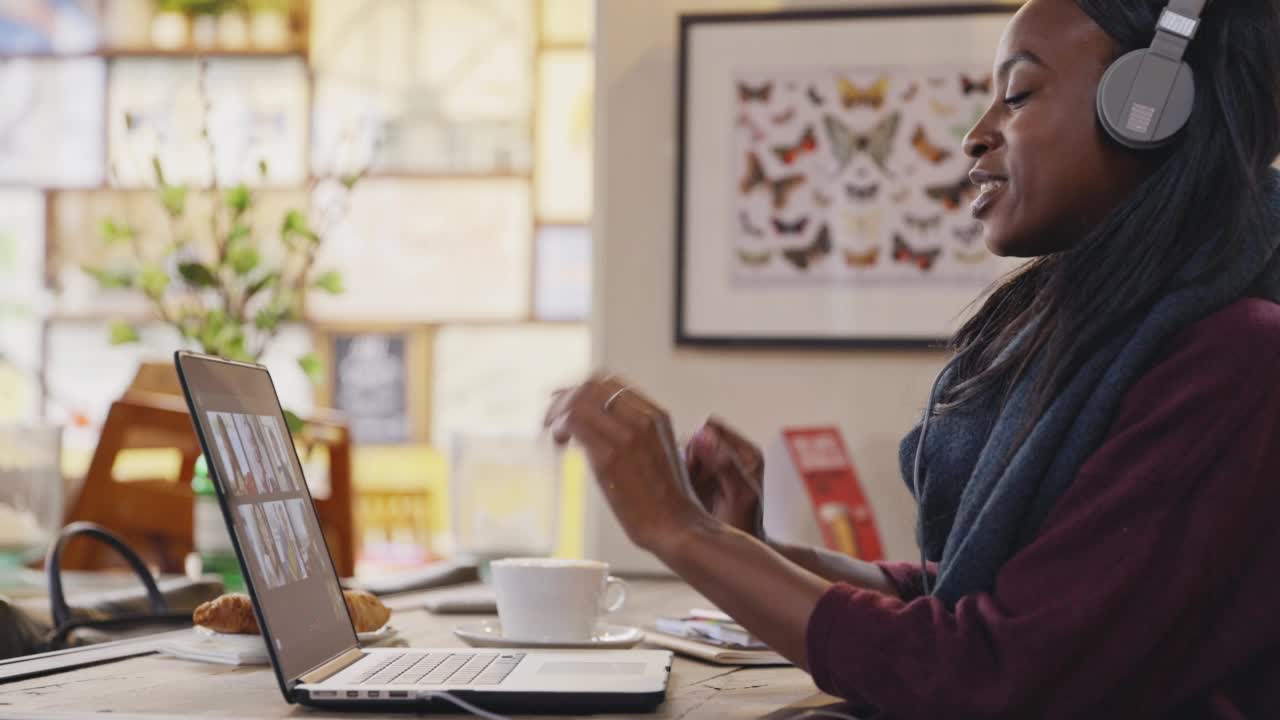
1114	99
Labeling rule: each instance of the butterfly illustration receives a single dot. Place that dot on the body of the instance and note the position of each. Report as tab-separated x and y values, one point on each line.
863	225
754	259
911	92
746	93
745	121
971	258
780	188
941	108
969	85
862	260
852	95
814	97
807	143
928	151
878	143
952	195
900	196
784	117
904	253
790	228
861	192
745	221
920	224
803	257
962	129
969	233
821	200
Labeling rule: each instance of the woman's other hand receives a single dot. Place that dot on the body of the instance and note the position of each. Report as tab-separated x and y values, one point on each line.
632	451
727	474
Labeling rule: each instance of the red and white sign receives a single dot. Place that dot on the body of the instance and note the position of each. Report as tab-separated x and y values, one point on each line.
814	492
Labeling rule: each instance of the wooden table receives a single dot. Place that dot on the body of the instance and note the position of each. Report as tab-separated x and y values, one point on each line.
154	687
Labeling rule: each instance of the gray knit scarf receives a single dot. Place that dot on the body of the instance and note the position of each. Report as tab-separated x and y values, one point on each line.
976	510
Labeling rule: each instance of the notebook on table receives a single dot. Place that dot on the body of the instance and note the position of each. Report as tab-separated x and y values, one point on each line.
290	577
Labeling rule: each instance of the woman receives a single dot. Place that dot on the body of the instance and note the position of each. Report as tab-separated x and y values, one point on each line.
1100	476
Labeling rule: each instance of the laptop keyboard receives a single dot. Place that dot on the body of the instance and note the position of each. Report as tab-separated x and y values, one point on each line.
439	668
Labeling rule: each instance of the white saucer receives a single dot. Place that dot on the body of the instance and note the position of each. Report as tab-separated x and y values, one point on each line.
488	634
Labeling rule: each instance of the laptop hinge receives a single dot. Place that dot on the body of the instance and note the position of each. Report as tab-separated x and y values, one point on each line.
333	667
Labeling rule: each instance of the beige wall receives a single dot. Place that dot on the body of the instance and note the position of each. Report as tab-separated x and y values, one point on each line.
873	396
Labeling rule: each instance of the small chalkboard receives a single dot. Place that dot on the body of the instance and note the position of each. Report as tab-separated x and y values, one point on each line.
371	381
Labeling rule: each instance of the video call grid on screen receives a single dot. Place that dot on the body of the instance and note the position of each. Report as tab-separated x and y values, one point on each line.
256	468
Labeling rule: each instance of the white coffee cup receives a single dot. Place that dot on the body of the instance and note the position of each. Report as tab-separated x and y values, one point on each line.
553	600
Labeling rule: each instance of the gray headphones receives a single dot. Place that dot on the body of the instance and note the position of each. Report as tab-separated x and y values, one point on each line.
1145	97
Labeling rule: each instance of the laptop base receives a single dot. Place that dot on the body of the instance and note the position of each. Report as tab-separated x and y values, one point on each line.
535	703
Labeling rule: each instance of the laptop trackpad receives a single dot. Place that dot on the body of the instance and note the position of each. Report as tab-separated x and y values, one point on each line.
591	668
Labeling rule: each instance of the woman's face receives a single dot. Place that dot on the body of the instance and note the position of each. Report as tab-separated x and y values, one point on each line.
1047	173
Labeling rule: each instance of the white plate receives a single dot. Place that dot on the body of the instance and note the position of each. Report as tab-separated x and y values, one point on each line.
384	634
488	634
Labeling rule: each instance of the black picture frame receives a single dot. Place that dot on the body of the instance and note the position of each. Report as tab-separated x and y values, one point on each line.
687	336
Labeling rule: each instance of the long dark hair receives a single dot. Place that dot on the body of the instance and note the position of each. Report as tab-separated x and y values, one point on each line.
1208	187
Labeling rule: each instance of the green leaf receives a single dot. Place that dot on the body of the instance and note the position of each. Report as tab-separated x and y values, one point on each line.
221	334
115	233
349	181
262	283
122	333
267	318
239	199
291	306
239	232
310	365
174	199
330	282
130	121
215	319
155	165
197	275
228	342
295	423
262	168
153	280
243	258
110	279
295	222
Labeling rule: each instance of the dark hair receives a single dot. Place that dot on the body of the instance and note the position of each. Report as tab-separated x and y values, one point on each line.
1207	187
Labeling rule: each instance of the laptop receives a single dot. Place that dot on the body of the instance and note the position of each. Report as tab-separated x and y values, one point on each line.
296	598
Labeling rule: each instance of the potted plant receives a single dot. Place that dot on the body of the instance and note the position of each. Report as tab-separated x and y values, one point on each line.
170	25
204	21
269	23
229	288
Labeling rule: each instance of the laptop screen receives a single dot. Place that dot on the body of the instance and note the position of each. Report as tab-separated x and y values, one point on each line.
252	460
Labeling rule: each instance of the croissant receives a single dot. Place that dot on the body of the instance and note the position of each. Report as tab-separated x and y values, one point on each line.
367	612
227	614
234	613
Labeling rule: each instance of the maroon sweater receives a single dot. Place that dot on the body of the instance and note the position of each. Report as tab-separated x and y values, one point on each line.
1153	589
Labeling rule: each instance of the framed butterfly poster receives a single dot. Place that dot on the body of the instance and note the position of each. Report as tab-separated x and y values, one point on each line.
823	193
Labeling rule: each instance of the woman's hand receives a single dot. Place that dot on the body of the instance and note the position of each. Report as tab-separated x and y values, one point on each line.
629	443
727	473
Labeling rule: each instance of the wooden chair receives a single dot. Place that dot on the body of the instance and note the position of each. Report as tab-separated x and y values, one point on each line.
155	515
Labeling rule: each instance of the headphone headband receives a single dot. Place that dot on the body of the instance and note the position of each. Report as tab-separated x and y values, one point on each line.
1176	27
1146	97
